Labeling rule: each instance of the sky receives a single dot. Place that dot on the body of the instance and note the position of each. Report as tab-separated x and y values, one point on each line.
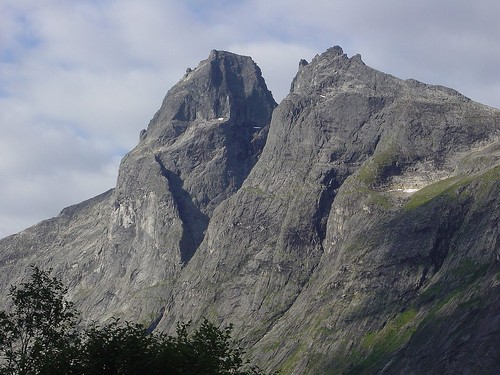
79	79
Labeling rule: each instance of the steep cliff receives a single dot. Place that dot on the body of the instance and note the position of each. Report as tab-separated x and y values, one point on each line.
357	233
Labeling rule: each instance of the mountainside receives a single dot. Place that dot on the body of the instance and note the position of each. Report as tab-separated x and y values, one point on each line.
120	252
354	232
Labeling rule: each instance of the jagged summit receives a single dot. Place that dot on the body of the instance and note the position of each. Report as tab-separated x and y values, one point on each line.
197	150
213	122
323	68
351	229
224	87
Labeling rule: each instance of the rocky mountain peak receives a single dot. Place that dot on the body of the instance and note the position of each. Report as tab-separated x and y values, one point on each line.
197	151
331	67
223	88
217	113
333	52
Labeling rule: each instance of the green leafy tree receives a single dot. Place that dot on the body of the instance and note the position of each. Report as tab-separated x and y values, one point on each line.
117	348
38	336
126	349
208	351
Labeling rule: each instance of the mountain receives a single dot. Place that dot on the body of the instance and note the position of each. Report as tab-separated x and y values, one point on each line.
120	252
351	229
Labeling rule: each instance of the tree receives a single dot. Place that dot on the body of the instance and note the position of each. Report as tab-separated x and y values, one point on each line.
117	348
39	335
208	350
127	349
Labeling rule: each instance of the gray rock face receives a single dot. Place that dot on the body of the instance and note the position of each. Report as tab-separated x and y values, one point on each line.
358	233
196	152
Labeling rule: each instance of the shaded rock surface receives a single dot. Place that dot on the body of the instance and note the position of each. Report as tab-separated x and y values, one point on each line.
355	232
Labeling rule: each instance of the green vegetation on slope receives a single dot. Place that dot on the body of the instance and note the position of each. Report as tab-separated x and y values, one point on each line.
450	187
428	193
374	168
379	345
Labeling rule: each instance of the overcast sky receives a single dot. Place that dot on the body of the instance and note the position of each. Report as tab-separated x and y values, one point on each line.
80	78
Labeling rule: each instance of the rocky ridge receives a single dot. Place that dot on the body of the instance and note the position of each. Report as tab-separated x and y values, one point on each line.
354	232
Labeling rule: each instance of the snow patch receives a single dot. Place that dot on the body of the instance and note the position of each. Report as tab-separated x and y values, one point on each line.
409	190
405	190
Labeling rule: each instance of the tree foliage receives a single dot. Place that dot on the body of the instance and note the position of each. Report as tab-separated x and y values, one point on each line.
39	335
40	328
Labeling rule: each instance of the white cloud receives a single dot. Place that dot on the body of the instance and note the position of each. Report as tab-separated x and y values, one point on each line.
80	79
